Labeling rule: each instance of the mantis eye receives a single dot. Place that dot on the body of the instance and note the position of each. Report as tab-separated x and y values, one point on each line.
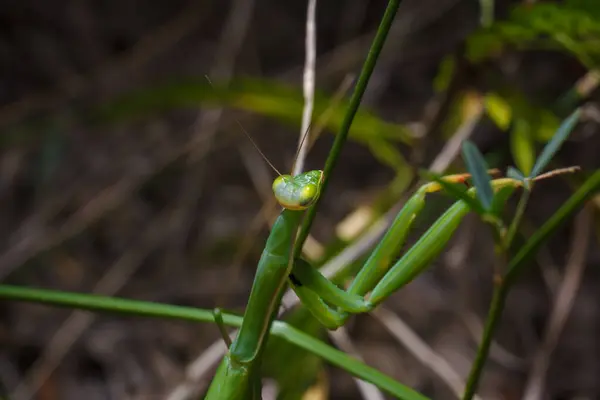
308	194
280	183
298	192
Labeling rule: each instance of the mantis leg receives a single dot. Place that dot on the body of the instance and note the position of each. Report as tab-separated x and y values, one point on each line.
236	377
315	291
306	276
376	275
326	315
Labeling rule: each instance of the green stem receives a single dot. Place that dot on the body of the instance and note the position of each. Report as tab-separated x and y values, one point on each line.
112	304
494	313
157	310
340	139
516	266
512	229
590	187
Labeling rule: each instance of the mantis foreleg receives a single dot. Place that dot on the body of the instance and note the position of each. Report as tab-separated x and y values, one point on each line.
376	275
235	378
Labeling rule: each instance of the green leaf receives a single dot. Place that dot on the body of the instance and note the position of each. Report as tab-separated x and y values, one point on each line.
499	110
388	154
519	263
585	191
487	12
546	125
500	199
567	26
554	144
483	44
478	169
522	145
263	96
456	190
266	97
514	173
445	73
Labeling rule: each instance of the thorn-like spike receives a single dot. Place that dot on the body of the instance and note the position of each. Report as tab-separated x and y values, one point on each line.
218	316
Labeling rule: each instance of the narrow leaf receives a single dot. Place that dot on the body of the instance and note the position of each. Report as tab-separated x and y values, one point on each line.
456	190
514	173
521	261
522	145
445	72
388	154
478	169
554	144
499	110
500	200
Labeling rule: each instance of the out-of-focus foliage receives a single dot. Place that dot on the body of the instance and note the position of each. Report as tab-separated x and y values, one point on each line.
551	148
573	25
512	106
57	151
522	145
269	98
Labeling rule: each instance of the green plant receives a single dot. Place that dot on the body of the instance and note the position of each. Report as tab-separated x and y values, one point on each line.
239	375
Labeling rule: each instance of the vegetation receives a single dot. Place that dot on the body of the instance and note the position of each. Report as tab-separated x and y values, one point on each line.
171	225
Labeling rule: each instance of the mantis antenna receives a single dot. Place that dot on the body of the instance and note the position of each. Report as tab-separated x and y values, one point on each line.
249	137
257	148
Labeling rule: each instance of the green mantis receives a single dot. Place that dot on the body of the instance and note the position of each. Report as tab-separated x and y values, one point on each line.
236	377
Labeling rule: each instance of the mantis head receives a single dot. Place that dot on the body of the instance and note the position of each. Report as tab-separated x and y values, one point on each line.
298	192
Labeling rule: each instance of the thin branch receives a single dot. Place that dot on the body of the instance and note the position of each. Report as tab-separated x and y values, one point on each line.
202	364
563	302
213	354
78	322
420	350
32	237
516	266
148	47
340	338
343	341
207	123
308	84
450	151
498	353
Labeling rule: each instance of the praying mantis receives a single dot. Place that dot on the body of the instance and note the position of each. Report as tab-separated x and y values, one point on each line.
236	377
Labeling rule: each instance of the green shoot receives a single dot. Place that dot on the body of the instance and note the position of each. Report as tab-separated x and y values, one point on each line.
554	144
514	173
476	165
454	189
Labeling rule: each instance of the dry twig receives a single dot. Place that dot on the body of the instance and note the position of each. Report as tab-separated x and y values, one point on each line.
562	304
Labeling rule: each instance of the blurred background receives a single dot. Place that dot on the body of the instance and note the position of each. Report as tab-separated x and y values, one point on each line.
123	172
